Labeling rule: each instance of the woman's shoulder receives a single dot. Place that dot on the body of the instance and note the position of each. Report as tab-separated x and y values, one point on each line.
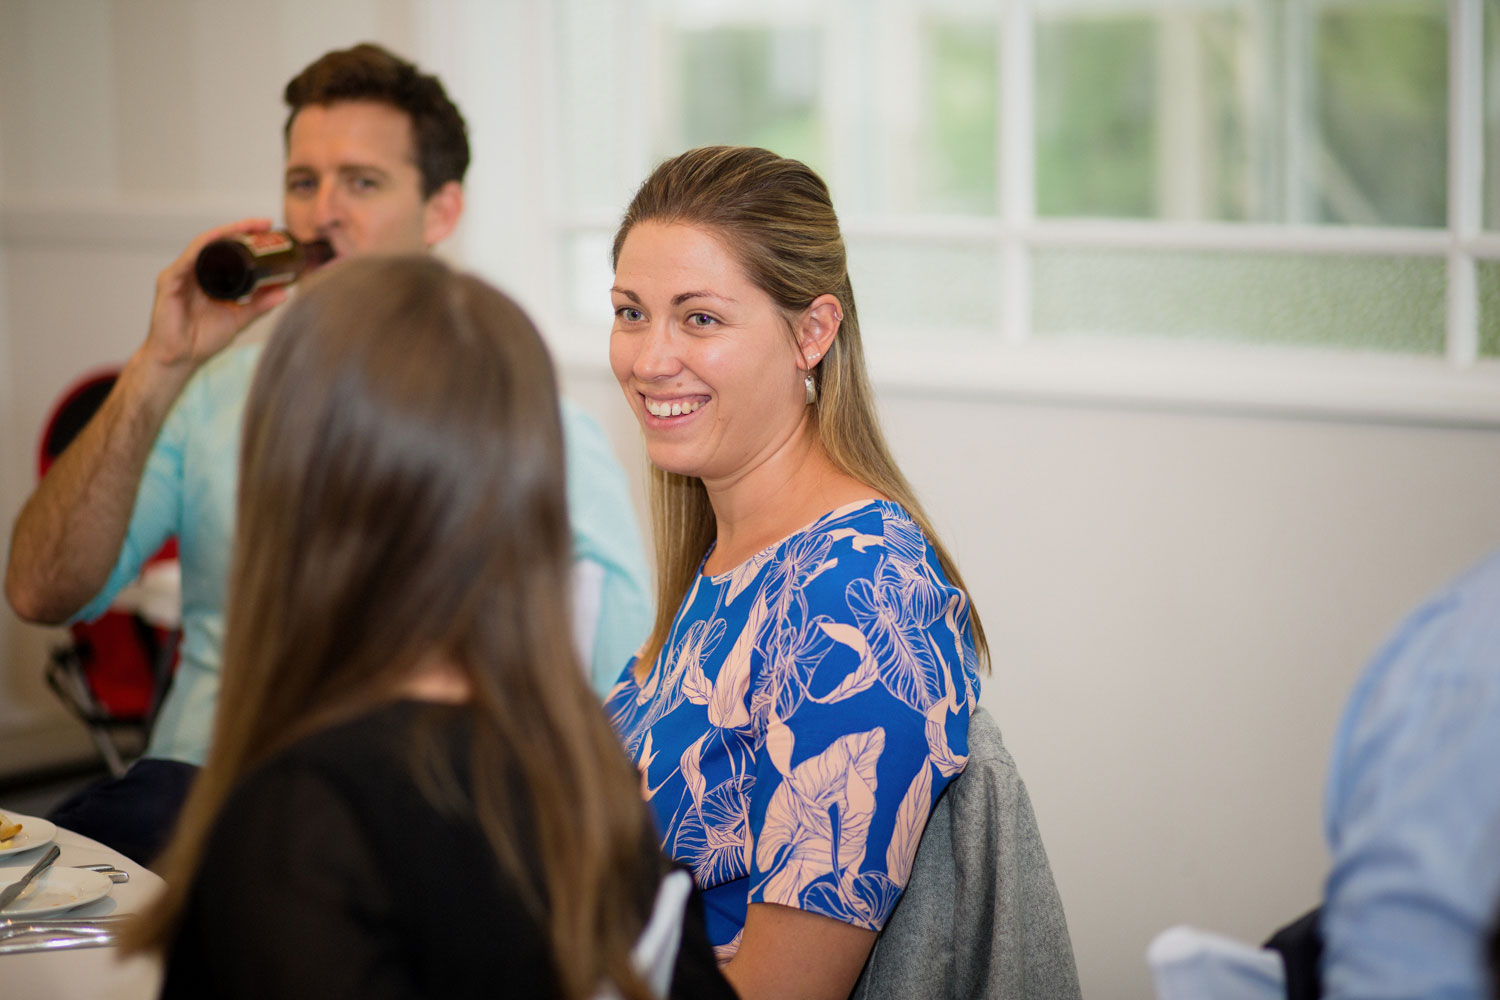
865	534
348	762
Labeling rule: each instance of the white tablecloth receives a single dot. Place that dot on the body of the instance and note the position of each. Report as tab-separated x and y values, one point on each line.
83	973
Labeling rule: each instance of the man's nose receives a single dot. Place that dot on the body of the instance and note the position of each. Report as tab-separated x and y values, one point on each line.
327	206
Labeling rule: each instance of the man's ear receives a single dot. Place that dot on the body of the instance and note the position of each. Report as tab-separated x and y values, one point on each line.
441	213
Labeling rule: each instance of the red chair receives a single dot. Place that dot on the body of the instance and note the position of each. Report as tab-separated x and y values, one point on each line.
113	672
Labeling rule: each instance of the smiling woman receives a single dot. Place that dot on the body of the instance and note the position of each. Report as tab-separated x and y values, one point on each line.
805	695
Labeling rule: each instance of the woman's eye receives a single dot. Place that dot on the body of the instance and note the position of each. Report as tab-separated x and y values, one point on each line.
700	319
629	314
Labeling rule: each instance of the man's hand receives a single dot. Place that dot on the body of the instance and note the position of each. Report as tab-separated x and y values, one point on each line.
188	327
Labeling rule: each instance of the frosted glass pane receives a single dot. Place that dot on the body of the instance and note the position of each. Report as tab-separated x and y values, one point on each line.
901	287
1489	308
1361	303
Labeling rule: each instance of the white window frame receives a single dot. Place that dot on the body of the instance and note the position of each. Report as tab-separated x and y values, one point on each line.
1008	363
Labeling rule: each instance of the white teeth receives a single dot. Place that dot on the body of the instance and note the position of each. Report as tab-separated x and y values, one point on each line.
674	409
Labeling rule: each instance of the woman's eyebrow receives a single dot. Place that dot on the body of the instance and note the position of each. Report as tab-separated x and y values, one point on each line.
679	299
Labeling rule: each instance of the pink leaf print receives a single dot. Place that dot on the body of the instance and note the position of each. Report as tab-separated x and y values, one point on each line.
943	758
727	708
859	540
647	756
724	952
648	692
779	741
744	574
862	678
911	820
695	686
818	819
692	773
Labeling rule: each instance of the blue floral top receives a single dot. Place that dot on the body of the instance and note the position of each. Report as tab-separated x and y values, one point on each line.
806	711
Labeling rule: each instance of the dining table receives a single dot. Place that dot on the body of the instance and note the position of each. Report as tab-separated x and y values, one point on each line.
92	973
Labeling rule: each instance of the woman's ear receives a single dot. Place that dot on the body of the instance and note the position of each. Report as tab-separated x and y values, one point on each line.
817	327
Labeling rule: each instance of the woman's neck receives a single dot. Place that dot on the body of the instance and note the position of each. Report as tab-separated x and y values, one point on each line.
437	679
786	491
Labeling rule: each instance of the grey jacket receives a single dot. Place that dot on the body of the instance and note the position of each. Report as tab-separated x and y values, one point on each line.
981	916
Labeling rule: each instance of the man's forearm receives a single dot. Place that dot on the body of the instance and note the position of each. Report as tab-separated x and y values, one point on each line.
70	531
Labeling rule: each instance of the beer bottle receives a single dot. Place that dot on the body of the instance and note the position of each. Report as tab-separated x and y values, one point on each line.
234	266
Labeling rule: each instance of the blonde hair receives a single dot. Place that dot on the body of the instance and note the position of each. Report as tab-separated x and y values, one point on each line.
402	494
775	215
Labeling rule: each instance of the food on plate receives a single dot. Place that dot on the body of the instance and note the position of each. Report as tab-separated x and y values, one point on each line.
7	830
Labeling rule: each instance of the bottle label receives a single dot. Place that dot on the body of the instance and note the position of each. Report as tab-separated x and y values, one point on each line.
267	242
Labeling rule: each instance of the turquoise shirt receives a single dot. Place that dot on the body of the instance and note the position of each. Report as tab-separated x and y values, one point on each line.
188	490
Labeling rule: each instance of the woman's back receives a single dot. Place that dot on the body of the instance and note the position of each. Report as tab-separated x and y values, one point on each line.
331	873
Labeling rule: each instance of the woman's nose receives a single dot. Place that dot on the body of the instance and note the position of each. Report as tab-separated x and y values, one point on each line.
657	357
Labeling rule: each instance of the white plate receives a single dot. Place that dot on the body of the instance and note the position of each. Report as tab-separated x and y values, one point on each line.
35	832
56	889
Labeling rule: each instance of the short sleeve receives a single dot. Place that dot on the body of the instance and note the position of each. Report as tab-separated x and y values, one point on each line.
866	720
158	504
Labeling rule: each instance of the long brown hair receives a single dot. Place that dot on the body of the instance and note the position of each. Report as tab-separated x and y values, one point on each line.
776	216
402	495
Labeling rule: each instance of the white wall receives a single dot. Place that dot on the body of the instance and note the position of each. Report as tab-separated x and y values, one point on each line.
1177	599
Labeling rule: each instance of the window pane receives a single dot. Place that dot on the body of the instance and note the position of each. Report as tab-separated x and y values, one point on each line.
1329	111
1363	303
916	108
901	287
750	86
1154	111
1382	113
1489	308
894	104
949	156
1095	117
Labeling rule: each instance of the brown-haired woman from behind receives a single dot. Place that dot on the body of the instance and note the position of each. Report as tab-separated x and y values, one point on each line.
412	790
805	694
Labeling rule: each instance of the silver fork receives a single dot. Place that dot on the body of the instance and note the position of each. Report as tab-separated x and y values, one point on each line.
116	875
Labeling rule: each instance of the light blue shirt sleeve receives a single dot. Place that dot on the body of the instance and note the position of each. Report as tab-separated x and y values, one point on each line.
1413	806
158	507
605	534
188	489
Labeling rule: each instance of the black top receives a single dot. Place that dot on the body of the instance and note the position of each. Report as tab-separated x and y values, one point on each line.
330	874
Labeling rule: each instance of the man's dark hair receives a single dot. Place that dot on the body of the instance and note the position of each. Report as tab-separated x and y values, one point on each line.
368	72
